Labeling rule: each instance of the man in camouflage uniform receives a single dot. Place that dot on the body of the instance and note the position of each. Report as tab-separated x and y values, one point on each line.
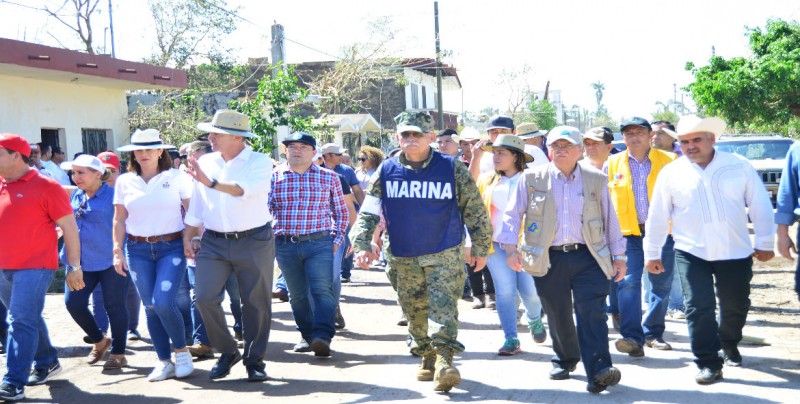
426	252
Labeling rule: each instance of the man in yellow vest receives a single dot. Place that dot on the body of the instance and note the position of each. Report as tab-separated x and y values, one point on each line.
631	178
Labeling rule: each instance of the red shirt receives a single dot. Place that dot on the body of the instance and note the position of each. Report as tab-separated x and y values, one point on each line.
29	208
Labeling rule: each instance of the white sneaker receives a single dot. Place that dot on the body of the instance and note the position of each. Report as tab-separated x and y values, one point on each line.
162	371
183	364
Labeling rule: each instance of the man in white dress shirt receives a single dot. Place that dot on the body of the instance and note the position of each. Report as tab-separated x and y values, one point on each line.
707	196
534	140
230	201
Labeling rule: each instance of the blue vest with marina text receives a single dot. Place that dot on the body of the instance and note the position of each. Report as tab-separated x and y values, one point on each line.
420	207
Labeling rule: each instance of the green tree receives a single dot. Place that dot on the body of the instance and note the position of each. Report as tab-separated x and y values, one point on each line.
663	113
186	29
762	90
273	105
544	114
175	116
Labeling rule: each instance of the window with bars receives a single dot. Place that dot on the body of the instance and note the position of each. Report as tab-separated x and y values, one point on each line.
95	141
414	96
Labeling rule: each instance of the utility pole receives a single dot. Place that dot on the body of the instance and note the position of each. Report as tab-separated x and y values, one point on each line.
440	110
111	28
675	97
278	57
278	48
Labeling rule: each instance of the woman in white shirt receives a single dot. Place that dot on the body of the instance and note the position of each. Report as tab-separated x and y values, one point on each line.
509	160
148	218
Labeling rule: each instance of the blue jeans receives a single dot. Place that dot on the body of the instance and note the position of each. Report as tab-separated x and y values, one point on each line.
507	284
23	292
132	304
3	323
184	301
115	292
676	293
346	262
158	270
730	279
308	269
629	293
199	335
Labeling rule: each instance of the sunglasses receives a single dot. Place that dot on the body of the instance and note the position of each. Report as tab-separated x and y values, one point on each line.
406	135
362	159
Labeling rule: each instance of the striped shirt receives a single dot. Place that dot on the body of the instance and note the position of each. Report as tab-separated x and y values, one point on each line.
307	203
639	173
568	198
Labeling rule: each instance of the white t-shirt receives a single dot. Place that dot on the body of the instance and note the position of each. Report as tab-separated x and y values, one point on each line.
500	195
154	208
539	158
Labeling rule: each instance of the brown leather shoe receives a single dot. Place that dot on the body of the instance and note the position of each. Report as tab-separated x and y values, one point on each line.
98	351
115	363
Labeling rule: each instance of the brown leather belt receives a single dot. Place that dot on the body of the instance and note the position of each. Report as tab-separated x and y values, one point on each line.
156	239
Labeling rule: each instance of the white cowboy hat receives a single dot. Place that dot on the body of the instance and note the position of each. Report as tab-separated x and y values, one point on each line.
694	124
228	122
145	140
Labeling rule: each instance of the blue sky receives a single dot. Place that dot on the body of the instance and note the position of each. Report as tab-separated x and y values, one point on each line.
638	49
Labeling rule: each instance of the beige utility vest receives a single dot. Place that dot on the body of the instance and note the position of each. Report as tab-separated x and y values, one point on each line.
540	220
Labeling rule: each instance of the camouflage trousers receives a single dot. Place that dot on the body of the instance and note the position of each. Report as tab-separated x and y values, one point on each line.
428	289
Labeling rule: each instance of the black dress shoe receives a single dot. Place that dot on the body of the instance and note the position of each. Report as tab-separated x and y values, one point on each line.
603	379
559	373
732	357
256	373
223	366
321	348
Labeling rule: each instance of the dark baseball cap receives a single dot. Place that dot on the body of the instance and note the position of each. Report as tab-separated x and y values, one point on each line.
301	137
501	121
635	121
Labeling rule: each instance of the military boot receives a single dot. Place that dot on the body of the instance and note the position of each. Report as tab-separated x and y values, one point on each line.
426	368
447	375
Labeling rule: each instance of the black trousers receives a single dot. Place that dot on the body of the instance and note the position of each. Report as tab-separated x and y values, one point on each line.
576	277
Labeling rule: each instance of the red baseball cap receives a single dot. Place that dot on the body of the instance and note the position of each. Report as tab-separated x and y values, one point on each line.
109	159
15	143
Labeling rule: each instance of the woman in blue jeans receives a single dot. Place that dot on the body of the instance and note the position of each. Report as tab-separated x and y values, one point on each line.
495	187
94	213
148	219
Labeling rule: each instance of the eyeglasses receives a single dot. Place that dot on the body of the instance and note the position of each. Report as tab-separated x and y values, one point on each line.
563	146
417	135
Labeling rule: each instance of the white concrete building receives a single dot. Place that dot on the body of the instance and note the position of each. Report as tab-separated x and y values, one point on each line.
70	99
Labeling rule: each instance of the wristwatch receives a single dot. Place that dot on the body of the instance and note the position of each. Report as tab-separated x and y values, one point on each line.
71	268
619	257
213	183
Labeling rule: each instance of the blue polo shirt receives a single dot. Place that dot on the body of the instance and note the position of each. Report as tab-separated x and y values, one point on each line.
95	218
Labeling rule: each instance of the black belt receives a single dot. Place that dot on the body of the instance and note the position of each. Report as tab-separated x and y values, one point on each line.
641	228
567	247
303	237
235	235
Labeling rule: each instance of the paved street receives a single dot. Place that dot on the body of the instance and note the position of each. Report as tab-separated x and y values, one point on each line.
371	363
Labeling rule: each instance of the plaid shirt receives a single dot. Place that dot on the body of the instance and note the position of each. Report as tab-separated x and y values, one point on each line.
308	203
639	173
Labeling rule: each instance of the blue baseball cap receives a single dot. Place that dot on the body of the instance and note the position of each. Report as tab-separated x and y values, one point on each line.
501	122
301	137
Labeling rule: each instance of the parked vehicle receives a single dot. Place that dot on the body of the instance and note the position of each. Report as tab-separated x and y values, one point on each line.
766	152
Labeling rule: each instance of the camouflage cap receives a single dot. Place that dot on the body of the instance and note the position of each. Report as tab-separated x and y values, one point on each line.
414	122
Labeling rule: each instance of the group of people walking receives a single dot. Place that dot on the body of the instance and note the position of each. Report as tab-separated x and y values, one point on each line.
572	230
